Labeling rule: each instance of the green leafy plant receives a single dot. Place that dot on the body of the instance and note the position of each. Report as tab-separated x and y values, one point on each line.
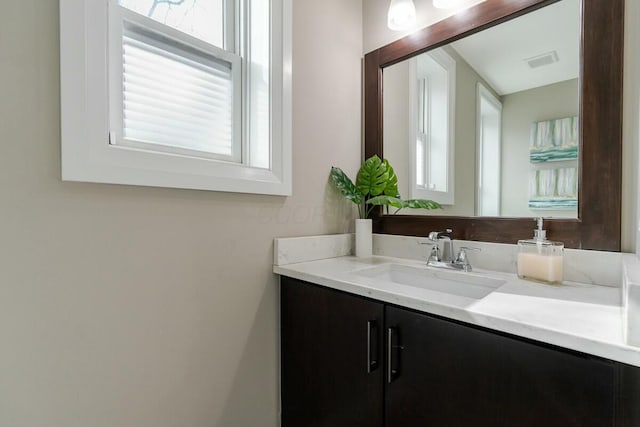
376	185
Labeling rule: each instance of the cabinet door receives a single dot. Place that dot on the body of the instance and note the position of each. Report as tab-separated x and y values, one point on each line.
629	395
446	374
442	374
331	358
545	386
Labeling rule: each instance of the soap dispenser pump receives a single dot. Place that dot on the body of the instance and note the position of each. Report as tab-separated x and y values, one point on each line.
540	259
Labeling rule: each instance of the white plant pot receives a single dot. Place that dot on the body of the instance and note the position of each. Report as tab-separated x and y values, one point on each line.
364	239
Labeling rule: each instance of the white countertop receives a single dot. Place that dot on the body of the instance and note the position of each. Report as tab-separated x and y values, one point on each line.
581	317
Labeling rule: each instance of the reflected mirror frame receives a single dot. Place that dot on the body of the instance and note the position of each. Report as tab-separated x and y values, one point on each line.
598	225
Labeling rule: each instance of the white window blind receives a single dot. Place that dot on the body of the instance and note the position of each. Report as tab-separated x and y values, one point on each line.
177	98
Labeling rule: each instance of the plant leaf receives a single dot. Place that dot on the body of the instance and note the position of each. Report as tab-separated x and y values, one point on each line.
372	177
346	187
392	183
386	201
421	204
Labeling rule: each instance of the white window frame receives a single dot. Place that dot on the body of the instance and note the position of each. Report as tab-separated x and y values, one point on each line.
415	191
120	19
87	155
482	92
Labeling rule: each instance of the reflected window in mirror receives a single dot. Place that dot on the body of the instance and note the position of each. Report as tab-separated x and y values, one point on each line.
432	78
489	140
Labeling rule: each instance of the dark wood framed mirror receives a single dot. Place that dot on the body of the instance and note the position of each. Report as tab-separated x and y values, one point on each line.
598	226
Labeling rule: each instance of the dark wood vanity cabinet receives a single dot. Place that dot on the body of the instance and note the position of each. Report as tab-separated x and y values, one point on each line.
331	358
351	361
456	375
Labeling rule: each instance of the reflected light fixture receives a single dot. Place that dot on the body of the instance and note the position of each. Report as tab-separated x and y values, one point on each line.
447	4
402	15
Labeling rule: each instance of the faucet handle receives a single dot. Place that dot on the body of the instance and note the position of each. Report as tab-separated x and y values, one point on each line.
464	249
435	254
462	257
435	249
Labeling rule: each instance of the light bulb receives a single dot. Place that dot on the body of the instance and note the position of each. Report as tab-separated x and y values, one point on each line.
402	15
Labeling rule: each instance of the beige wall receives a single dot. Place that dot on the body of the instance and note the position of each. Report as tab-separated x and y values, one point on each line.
396	123
519	111
376	34
133	306
465	147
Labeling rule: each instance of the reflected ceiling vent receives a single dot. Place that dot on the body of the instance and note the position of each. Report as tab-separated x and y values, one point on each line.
542	60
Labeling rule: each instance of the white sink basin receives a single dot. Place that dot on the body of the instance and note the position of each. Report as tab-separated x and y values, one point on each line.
463	284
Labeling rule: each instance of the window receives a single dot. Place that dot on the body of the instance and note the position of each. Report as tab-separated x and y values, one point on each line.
177	93
489	140
432	98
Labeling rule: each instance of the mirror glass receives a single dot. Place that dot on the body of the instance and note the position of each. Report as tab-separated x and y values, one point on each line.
488	125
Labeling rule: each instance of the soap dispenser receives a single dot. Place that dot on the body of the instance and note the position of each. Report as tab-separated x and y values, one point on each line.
540	259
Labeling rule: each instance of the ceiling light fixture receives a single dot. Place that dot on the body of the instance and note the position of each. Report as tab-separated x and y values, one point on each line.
402	15
447	4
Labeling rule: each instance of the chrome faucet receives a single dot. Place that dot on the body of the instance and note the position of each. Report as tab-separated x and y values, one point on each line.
445	258
447	249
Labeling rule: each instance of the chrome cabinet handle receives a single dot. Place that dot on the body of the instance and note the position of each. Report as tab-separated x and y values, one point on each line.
389	355
372	353
393	364
392	373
